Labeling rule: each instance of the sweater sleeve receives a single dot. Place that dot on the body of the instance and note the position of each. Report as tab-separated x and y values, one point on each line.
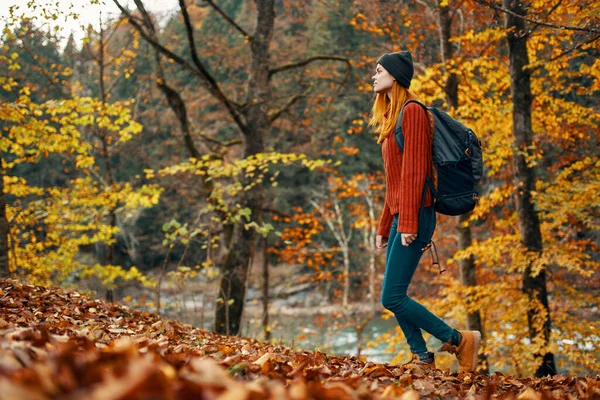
385	222
416	163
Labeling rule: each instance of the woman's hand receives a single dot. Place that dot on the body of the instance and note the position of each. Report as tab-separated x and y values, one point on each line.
408	238
381	241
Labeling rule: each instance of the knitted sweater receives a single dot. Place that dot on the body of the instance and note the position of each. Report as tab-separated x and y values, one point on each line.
405	172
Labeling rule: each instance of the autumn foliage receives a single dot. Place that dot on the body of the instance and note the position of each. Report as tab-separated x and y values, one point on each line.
62	344
112	146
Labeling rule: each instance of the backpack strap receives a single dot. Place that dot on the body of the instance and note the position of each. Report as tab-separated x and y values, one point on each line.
398	131
431	186
400	142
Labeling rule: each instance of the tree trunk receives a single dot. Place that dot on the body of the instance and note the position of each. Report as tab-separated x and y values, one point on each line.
343	240
110	252
369	236
234	276
265	317
102	135
4	229
534	286
367	242
468	275
445	27
346	255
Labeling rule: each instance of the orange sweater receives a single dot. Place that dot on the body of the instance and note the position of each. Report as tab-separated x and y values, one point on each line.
405	172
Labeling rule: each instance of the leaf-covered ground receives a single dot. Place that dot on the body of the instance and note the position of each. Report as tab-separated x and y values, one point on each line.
57	344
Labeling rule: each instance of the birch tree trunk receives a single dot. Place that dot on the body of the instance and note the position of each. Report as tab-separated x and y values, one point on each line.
343	240
369	236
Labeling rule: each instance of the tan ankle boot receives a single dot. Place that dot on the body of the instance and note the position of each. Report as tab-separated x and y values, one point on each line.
466	351
417	362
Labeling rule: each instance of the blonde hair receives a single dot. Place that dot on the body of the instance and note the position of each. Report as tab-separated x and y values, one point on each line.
386	109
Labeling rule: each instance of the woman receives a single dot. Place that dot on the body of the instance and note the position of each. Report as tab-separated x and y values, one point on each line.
408	220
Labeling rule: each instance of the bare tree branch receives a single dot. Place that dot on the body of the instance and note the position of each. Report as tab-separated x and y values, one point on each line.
228	143
229	19
178	106
202	74
535	21
145	16
190	35
274	114
307	61
340	221
174	100
276	212
328	221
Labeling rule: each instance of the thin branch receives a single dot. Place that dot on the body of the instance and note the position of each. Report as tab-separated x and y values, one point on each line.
204	76
229	143
110	89
535	21
338	91
111	34
168	53
276	212
541	63
547	15
422	68
92	171
174	99
307	61
146	17
190	35
322	211
114	83
274	114
229	20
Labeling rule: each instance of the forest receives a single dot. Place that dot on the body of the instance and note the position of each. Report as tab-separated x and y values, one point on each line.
214	165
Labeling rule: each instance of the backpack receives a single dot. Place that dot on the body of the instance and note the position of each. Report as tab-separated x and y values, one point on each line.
457	158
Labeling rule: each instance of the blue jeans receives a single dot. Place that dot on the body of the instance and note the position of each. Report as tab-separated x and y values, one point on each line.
400	266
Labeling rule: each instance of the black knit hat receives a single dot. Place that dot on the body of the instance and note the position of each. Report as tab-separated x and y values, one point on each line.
399	65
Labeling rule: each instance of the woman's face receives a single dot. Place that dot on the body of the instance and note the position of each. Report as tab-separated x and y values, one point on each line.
382	80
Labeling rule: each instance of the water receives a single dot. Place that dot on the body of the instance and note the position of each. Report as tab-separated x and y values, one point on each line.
326	333
330	333
335	335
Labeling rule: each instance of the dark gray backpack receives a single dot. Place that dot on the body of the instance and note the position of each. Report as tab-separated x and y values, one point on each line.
458	160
